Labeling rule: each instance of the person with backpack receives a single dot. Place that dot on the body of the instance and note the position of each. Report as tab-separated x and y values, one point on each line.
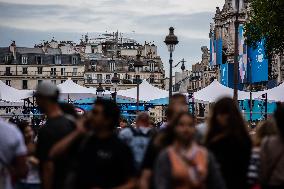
138	138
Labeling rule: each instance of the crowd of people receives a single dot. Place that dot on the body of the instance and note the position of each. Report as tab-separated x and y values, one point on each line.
101	150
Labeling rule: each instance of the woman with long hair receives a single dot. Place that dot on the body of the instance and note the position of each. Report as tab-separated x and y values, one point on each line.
229	141
185	164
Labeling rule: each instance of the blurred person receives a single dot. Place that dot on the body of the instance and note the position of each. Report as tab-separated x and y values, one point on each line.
13	154
138	138
161	140
228	140
102	159
69	111
56	127
32	181
123	123
272	155
263	129
185	164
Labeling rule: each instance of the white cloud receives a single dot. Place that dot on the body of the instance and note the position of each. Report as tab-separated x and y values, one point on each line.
148	18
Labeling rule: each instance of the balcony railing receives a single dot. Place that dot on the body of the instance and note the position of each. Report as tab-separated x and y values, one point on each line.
42	74
122	81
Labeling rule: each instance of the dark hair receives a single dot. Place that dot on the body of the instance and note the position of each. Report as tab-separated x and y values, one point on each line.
110	110
22	125
171	129
68	109
236	128
178	96
279	118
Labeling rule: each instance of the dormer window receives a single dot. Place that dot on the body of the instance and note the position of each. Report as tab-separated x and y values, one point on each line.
57	59
7	58
38	60
24	59
74	59
112	66
152	66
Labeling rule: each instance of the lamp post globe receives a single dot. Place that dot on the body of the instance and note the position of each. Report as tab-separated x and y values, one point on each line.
171	41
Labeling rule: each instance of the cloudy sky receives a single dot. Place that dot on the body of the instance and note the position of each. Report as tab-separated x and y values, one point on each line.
30	21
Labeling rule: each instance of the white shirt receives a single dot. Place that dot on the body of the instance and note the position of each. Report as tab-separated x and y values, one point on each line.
12	145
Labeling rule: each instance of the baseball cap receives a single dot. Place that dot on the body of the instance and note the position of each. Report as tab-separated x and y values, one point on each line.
47	89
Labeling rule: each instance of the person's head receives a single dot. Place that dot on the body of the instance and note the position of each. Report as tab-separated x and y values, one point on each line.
105	115
69	109
26	130
264	129
184	128
177	105
226	120
143	120
279	118
47	95
123	123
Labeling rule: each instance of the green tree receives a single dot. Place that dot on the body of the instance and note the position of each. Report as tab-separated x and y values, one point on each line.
266	21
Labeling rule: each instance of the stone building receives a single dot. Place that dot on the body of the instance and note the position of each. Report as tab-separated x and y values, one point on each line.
222	32
24	68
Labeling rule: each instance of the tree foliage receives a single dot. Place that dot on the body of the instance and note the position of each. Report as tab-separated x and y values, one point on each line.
266	21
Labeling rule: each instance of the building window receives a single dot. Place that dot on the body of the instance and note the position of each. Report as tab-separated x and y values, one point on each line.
99	78
25	70
7	58
39	70
152	66
108	76
24	59
62	71
39	82
25	84
74	59
75	81
57	59
53	72
8	71
38	60
75	70
53	81
112	66
62	81
8	82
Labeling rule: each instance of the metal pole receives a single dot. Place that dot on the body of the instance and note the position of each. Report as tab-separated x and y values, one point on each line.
250	94
236	54
137	103
266	106
115	93
171	76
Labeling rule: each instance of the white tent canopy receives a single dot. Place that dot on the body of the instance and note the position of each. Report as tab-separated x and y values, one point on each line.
215	91
73	91
11	94
147	92
275	94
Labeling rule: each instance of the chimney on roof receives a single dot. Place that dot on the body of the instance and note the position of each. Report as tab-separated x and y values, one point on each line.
13	49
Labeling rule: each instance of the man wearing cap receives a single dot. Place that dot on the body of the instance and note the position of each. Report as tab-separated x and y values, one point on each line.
53	172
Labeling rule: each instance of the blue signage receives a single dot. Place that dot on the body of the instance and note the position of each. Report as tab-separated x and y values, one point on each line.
258	64
219	45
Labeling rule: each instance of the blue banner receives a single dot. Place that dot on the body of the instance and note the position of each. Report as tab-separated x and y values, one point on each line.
258	64
219	45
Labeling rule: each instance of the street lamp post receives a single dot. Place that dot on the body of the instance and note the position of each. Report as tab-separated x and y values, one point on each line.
171	41
236	55
100	91
115	81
